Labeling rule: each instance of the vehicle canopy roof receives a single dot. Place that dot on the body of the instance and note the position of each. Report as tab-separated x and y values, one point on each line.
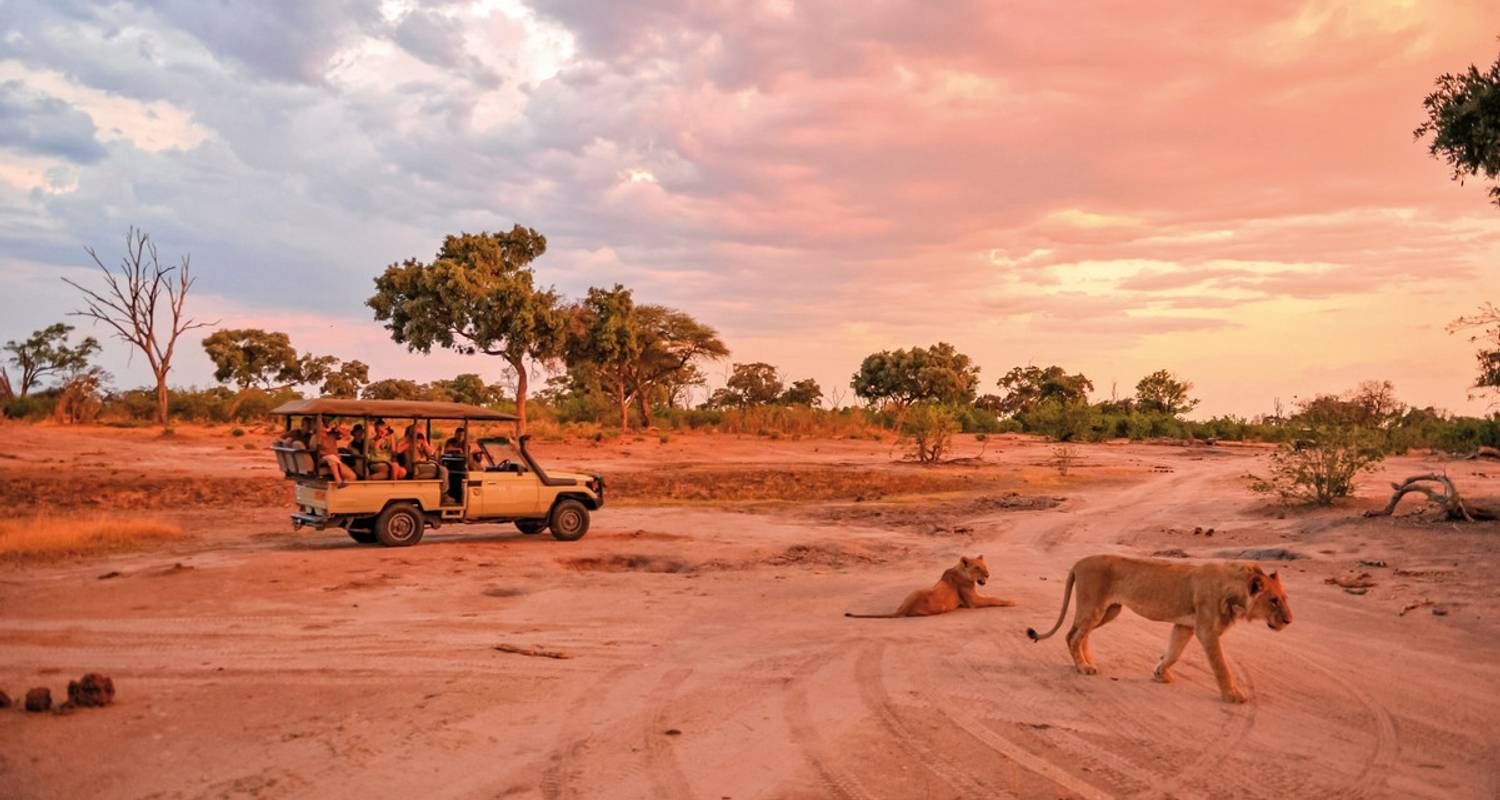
400	409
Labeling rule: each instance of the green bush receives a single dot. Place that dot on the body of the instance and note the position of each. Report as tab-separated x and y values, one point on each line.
1320	466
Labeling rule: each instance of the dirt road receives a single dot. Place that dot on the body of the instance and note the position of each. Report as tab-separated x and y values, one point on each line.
709	657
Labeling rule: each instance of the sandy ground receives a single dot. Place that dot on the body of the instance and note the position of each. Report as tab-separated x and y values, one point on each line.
709	654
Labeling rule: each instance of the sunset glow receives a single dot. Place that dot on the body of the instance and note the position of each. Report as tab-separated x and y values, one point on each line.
1229	192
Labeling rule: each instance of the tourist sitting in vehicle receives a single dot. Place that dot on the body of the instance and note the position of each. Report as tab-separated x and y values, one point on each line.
409	454
302	435
458	445
383	452
328	453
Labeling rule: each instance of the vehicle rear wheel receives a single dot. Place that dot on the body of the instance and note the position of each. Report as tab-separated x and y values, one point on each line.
570	521
362	536
531	526
400	525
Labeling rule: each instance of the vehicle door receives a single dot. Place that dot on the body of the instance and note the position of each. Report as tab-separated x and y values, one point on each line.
504	494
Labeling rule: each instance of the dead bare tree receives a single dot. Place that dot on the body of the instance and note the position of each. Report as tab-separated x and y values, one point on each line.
1448	499
131	304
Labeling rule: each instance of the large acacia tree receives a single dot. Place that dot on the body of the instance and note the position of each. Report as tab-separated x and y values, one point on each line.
478	295
901	377
47	352
1028	387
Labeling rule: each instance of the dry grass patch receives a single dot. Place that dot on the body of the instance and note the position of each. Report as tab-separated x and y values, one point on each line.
50	538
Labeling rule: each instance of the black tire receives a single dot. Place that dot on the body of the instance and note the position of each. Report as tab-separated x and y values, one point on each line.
362	536
400	525
531	526
569	521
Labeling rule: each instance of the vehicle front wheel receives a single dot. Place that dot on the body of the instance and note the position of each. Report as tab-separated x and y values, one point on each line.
531	526
362	536
570	521
400	525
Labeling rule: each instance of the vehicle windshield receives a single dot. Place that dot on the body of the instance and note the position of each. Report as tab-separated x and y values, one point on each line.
497	451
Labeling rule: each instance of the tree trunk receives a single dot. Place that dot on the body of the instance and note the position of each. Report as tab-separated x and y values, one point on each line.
520	366
645	405
161	401
624	406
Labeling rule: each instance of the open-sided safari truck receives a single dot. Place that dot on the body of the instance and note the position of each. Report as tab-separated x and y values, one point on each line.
496	480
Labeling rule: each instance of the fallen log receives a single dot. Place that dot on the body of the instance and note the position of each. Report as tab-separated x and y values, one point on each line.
1449	500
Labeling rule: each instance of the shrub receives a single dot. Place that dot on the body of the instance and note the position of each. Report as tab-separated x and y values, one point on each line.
1063	457
1321	466
930	426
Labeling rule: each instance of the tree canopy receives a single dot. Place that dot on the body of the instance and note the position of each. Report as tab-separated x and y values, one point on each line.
1463	117
478	295
1163	393
901	377
47	352
1028	387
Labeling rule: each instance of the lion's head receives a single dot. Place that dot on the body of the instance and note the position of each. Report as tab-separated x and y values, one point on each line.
1268	600
974	569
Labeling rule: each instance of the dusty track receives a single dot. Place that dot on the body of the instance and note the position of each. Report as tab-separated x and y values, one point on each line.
308	666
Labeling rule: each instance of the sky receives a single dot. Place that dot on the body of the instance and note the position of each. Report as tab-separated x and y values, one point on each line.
1228	191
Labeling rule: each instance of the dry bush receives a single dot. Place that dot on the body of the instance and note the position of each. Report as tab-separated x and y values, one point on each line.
48	538
1063	457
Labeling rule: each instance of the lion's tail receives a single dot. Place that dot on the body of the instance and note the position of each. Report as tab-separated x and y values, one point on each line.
870	616
1067	596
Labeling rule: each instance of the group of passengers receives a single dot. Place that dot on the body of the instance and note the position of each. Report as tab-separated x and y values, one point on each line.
390	456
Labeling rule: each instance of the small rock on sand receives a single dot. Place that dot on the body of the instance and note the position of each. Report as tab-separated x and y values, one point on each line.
39	699
1261	554
91	690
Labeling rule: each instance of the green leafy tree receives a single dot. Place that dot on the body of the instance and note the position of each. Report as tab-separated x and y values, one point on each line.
901	377
805	392
1026	388
47	352
470	388
477	296
347	380
754	384
1162	393
1463	117
396	389
252	357
605	337
1486	326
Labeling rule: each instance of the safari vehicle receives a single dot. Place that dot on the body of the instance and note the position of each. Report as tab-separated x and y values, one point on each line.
496	480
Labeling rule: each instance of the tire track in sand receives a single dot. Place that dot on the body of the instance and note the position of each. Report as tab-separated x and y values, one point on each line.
573	740
663	768
1371	778
869	677
837	781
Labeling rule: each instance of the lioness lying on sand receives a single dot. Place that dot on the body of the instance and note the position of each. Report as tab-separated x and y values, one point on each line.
952	591
1202	599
